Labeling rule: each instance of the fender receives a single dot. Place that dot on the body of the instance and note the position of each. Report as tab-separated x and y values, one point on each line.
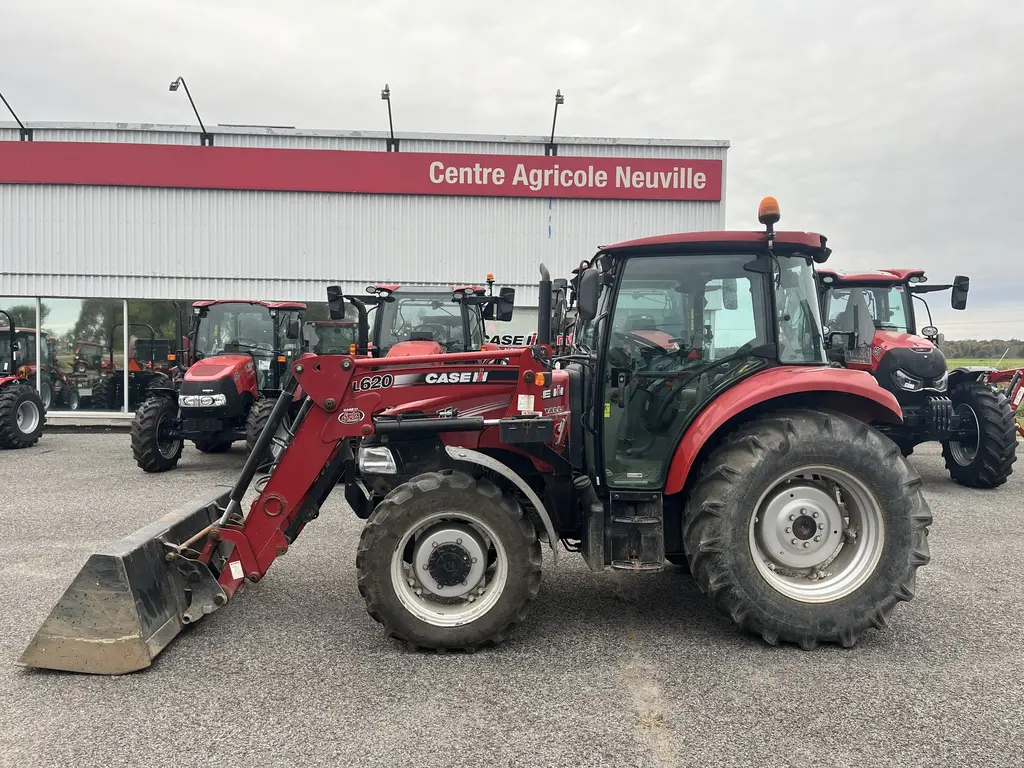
8	379
972	373
475	457
826	384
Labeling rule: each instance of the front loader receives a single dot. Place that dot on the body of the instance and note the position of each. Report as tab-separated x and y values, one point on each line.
740	449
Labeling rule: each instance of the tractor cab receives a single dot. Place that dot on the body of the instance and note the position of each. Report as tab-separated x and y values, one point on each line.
269	333
330	337
425	320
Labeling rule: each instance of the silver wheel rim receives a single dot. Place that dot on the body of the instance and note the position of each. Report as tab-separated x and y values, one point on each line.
167	448
74	400
444	534
964	453
817	534
45	396
27	417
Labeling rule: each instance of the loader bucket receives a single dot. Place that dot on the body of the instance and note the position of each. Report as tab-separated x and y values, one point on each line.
128	601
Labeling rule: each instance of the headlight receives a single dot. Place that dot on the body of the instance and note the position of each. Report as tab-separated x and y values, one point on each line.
941	381
202	401
907	382
377	460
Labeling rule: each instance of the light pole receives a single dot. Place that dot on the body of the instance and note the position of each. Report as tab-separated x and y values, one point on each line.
392	142
550	148
26	133
206	139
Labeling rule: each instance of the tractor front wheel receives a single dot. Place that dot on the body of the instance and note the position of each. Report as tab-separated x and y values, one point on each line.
806	527
22	416
447	561
153	449
986	460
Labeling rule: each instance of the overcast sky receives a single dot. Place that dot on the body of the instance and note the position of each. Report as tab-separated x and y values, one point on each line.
895	128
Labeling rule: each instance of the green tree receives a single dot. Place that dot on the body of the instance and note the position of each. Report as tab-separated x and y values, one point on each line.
24	315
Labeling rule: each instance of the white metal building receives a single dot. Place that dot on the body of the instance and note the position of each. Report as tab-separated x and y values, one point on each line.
150	212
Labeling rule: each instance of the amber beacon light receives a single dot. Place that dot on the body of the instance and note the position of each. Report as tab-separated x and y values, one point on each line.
768	211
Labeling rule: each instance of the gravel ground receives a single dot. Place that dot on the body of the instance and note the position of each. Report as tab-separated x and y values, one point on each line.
610	669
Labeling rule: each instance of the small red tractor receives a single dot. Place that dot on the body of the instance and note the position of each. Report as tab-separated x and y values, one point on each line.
238	355
741	449
146	371
22	413
871	325
53	383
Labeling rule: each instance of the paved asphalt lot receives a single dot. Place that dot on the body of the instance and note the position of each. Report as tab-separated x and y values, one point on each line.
616	670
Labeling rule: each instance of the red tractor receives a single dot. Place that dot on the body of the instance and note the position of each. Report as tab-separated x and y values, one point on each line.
146	371
53	383
752	458
237	358
22	413
871	325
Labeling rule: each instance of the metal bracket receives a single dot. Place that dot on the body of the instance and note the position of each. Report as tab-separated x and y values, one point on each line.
206	139
207	595
475	457
26	134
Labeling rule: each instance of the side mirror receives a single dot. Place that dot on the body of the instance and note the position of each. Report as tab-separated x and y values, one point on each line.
730	298
17	346
335	302
506	303
961	285
589	290
292	330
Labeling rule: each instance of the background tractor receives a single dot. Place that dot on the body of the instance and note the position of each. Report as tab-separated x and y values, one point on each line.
743	451
22	413
238	353
146	371
53	383
871	325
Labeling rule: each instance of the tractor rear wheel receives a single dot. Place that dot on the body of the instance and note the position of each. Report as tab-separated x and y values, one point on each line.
807	526
987	461
212	446
22	416
103	395
153	450
447	561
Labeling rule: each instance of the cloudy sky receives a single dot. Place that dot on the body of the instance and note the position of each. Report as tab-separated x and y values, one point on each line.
895	128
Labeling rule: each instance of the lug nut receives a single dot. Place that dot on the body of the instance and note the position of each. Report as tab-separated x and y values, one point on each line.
474	559
792	541
789	530
425	566
807	544
792	517
817	515
433	543
803	511
817	538
821	526
458	541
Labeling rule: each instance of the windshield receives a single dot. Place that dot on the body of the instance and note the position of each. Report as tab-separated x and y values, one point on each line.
427	317
886	305
799	317
330	337
236	328
24	355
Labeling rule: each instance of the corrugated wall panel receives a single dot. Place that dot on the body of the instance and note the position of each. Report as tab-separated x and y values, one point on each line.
172	243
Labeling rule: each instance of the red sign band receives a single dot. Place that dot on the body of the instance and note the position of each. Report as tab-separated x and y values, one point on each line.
380	173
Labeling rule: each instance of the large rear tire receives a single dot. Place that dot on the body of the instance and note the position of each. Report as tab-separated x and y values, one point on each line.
22	415
154	452
103	395
473	558
774	549
988	462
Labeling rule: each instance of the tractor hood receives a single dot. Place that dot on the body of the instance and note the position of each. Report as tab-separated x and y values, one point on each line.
219	374
894	339
911	354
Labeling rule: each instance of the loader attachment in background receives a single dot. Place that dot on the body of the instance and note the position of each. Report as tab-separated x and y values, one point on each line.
130	599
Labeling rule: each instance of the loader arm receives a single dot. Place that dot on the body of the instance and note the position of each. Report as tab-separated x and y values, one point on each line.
132	598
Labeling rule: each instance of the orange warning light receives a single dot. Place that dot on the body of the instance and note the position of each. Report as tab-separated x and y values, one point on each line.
768	211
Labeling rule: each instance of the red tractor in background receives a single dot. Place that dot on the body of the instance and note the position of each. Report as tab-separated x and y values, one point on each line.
871	325
146	371
54	384
237	355
22	413
748	453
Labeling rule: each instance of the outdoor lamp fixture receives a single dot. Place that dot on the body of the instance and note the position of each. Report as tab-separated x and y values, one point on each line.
206	139
392	142
26	133
550	148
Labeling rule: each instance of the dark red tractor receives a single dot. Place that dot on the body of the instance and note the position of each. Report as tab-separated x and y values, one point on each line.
237	358
871	325
22	413
744	452
147	370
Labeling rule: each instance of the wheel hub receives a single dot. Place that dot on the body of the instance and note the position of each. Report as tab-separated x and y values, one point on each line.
450	560
27	417
799	527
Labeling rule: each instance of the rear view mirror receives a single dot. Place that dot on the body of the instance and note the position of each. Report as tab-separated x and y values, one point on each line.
292	330
506	303
589	290
961	285
335	302
730	298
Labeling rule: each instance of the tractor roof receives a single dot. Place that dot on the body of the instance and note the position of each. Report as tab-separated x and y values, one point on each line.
267	304
7	329
888	276
809	240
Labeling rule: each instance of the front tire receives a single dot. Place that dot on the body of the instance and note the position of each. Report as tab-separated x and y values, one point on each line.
473	558
774	549
152	450
22	416
988	462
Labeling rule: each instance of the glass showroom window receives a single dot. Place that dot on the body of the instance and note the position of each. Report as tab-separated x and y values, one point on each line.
86	339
